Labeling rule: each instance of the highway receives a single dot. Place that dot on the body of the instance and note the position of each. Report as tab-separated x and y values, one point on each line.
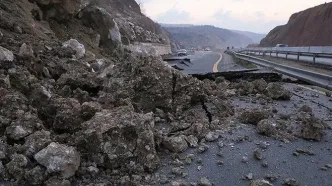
207	61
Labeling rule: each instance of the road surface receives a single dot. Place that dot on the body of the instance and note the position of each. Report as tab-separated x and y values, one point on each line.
206	61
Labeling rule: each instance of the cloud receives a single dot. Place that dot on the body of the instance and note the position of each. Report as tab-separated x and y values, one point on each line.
173	16
252	15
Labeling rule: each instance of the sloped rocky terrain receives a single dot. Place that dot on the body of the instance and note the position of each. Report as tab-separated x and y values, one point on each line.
78	108
310	27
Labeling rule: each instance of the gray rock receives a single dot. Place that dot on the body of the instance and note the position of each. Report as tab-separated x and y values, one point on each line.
6	55
59	158
192	141
26	51
312	127
36	142
211	136
290	182
267	127
258	154
35	176
16	167
278	92
253	116
115	34
305	108
204	182
76	46
54	181
176	144
260	183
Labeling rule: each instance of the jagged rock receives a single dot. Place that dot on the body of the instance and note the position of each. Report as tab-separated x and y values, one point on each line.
211	136
6	55
23	126
204	182
26	51
121	134
54	181
267	127
260	85
4	81
192	141
176	143
36	142
278	92
17	165
312	127
35	176
260	183
76	46
254	116
115	34
290	182
89	109
67	115
59	158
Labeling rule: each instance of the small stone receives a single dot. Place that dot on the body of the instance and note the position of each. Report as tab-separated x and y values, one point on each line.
199	161
176	171
306	152
296	154
220	154
76	46
260	183
328	94
18	29
163	179
211	136
179	183
202	148
258	154
324	168
204	182
272	177
220	144
244	159
328	166
290	182
265	164
220	162
176	144
249	176
199	168
267	127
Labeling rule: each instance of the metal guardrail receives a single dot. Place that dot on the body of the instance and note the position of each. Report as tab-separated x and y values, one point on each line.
323	54
311	77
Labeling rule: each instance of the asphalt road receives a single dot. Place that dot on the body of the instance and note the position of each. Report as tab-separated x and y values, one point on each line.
207	61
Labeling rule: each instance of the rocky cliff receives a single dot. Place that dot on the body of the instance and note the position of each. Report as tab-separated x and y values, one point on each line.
311	27
205	36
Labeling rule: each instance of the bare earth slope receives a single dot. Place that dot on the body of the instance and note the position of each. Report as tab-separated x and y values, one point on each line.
311	27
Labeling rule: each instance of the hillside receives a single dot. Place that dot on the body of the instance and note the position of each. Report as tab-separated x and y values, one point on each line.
206	36
311	27
255	37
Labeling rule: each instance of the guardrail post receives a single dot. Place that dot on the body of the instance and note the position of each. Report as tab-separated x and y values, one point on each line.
286	55
298	56
315	58
277	54
263	54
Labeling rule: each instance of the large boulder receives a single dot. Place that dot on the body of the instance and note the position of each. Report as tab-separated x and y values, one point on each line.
267	127
176	143
59	158
312	127
253	116
122	136
76	46
278	92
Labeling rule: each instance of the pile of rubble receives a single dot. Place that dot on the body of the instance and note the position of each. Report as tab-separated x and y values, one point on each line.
87	111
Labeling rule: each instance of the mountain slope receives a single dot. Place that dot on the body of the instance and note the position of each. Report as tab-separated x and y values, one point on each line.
311	27
255	37
206	36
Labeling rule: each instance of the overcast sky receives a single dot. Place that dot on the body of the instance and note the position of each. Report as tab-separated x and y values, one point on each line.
251	15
